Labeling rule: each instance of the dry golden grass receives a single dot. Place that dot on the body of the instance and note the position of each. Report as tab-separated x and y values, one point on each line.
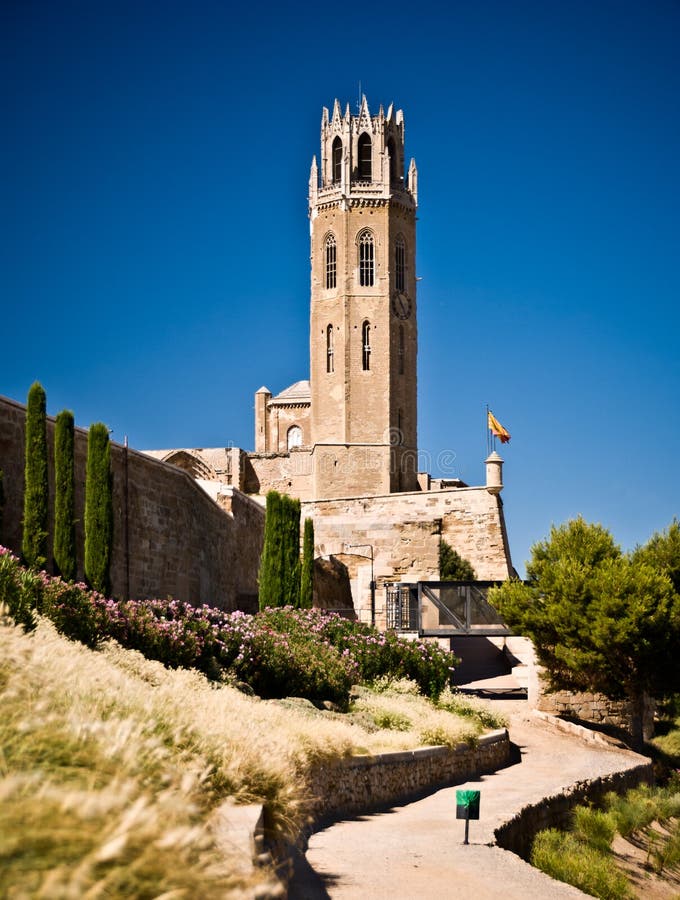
111	765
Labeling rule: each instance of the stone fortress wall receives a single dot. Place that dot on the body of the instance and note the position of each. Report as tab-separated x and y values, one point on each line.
179	541
404	531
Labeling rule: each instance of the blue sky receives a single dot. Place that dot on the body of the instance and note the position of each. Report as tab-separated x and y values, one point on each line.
154	249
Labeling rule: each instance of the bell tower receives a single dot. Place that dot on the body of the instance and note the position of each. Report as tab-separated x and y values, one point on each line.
363	332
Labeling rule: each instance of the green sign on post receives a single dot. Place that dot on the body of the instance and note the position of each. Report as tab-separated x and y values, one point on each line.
467	807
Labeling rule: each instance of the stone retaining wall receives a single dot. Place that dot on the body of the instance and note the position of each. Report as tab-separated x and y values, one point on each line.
518	833
358	784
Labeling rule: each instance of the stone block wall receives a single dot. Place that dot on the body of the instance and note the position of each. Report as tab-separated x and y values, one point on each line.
517	835
404	532
613	716
170	537
358	784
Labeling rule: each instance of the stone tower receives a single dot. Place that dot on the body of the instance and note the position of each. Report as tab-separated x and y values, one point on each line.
363	331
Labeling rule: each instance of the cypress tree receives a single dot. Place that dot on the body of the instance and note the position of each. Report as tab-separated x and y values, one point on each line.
2	499
290	576
98	509
279	578
64	497
270	562
34	541
307	574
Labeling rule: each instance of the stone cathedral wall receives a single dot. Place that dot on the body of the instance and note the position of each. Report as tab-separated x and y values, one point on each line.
181	543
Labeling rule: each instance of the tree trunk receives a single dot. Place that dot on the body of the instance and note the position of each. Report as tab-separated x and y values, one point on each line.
641	729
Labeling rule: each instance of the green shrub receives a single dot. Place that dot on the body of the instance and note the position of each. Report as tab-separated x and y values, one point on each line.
307	573
98	509
73	612
564	857
17	601
64	497
634	811
594	827
35	531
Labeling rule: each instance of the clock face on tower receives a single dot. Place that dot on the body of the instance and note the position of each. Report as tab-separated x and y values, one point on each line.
401	305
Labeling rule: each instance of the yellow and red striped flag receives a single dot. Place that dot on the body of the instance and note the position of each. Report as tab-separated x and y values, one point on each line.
497	429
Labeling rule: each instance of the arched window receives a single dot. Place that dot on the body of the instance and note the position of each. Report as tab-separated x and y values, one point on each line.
294	436
336	159
365	158
400	264
366	259
330	367
331	262
366	346
392	150
401	350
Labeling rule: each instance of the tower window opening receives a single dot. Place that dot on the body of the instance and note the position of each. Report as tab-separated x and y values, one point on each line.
366	346
365	158
392	150
329	350
366	259
400	264
400	354
294	437
336	160
400	430
331	262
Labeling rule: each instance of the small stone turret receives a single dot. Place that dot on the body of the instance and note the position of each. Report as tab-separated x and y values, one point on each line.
494	473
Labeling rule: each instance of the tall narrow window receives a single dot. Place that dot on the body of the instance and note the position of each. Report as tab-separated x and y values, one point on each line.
366	346
365	158
401	350
392	150
331	262
366	259
337	160
330	367
400	264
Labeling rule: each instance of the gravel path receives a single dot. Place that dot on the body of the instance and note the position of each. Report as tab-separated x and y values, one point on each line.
417	851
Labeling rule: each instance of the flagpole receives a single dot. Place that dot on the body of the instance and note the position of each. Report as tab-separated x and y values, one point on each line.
488	433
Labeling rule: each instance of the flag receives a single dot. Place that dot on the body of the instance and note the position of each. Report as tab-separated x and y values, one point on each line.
497	429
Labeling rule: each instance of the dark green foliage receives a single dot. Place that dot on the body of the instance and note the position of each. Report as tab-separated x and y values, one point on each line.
279	577
452	566
64	497
600	621
307	575
2	499
15	590
98	509
34	543
662	552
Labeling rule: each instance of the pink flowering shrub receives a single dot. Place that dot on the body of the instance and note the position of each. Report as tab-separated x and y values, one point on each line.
280	652
375	654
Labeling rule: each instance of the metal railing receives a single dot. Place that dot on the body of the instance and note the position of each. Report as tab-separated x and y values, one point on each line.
401	607
443	608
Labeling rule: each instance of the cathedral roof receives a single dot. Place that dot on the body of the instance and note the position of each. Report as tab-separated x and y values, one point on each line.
296	393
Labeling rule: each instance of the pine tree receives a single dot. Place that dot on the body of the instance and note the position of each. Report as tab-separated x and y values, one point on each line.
34	542
452	566
98	509
64	497
307	575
